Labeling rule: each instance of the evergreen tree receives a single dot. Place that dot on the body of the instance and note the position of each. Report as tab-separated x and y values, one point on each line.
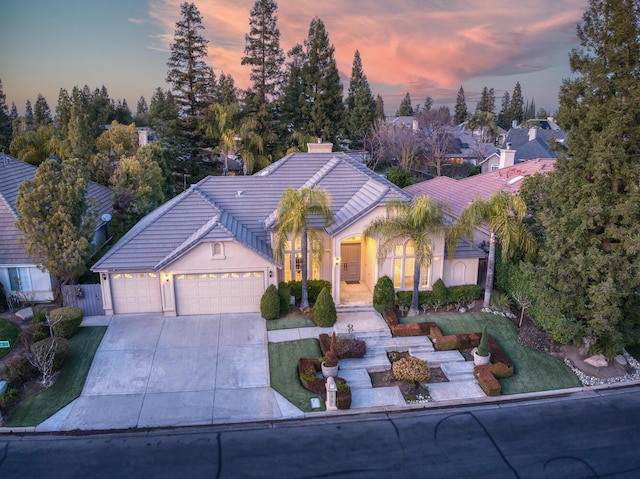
41	113
516	107
63	114
504	117
189	75
141	117
461	112
28	116
56	219
428	104
487	101
163	115
263	53
13	113
380	108
588	274
292	99
405	108
360	105
323	110
5	122
226	91
122	114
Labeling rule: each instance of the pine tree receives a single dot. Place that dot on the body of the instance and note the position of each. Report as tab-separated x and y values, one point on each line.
504	117
461	112
380	115
5	122
323	110
292	99
226	92
28	115
360	105
428	103
516	107
588	274
188	74
487	101
263	53
405	108
41	112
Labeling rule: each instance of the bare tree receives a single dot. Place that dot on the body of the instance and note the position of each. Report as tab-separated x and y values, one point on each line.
395	145
523	302
438	137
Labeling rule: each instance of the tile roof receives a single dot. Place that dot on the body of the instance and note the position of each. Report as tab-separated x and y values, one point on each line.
242	208
12	173
460	193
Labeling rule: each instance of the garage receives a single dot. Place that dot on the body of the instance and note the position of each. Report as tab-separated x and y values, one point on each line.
136	293
207	293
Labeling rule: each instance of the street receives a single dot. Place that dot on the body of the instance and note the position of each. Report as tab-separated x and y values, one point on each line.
584	435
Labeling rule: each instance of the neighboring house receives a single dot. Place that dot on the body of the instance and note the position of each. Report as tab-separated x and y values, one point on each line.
532	140
208	250
460	193
19	274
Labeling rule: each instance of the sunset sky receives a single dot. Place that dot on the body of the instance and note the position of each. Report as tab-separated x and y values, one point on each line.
424	47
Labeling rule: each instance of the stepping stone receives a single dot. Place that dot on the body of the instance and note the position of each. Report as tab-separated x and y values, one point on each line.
25	314
458	371
455	390
356	378
377	397
437	358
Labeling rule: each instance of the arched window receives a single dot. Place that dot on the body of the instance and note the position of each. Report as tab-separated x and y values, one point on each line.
217	250
404	260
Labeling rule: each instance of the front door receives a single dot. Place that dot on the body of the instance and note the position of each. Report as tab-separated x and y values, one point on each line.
350	262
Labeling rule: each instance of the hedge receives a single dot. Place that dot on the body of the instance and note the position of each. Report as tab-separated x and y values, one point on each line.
65	321
313	285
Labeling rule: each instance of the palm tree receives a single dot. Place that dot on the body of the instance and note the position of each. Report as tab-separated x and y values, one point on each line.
503	213
236	136
293	214
417	221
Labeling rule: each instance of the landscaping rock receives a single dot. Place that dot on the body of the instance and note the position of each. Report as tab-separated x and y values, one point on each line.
599	361
25	314
620	360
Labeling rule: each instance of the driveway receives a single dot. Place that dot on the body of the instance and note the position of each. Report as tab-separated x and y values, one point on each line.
151	371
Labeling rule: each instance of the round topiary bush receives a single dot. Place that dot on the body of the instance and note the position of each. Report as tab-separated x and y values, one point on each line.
270	303
65	321
411	369
384	295
324	310
60	346
285	298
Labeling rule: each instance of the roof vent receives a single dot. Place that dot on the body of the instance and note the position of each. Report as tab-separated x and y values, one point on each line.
239	194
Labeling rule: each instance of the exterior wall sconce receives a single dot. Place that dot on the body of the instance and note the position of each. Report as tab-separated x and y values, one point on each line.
104	277
270	274
336	260
166	277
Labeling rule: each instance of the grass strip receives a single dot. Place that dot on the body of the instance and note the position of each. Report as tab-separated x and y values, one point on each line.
283	370
8	332
289	323
534	371
68	386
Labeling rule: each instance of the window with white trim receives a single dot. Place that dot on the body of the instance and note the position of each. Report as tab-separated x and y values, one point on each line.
292	259
404	260
19	279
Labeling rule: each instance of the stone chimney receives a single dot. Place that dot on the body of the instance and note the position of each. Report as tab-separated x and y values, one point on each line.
507	157
319	147
533	134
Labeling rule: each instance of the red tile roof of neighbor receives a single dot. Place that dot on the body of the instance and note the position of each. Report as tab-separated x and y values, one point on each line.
459	193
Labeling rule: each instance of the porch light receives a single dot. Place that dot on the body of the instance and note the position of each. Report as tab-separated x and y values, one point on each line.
166	277
336	260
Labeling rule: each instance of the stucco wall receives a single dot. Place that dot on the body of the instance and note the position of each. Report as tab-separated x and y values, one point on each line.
460	271
41	283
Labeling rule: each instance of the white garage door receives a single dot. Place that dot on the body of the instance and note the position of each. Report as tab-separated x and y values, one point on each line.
206	293
136	293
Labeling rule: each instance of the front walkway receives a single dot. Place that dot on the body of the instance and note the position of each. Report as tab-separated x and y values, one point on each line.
368	325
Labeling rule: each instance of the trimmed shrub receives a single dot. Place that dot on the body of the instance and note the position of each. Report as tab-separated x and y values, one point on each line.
324	310
314	287
464	293
404	298
270	303
351	348
384	295
440	292
18	370
295	289
343	396
483	347
486	380
411	369
285	298
65	321
61	348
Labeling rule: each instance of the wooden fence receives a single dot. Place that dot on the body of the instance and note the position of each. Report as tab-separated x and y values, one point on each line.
87	297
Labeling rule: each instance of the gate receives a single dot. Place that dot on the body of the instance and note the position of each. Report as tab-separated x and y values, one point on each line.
87	297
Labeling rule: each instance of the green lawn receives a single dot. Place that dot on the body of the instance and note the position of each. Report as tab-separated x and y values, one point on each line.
68	386
283	369
289	323
8	332
534	371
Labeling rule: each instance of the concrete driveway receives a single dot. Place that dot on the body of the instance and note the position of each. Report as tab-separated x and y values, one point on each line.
152	371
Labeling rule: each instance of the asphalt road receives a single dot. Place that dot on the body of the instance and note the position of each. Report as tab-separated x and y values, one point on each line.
585	435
